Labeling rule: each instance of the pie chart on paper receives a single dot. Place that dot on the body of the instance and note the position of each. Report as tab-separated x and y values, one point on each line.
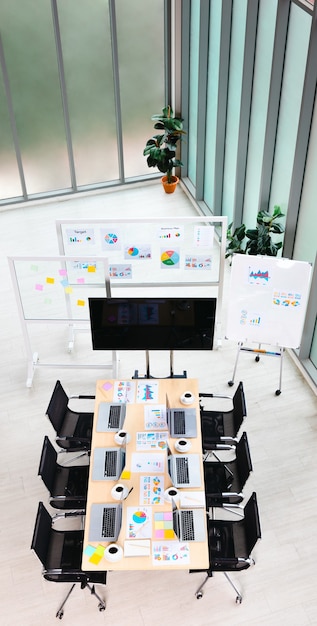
170	257
139	517
133	251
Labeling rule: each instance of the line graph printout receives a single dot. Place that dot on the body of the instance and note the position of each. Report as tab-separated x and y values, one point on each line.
267	300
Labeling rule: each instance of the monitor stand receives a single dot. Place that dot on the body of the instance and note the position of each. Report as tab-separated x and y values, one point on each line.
148	375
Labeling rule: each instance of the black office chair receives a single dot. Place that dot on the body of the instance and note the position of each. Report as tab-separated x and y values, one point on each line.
224	481
67	485
231	543
220	428
73	429
60	552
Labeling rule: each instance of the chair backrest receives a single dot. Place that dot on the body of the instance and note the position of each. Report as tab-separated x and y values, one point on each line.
252	522
243	459
41	534
57	407
239	407
47	466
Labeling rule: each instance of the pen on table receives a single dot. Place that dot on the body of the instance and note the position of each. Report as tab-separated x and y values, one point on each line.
130	491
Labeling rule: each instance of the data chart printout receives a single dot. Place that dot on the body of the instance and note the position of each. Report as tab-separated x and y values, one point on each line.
267	300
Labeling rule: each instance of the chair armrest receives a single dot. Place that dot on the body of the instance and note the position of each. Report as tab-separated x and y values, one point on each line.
81	397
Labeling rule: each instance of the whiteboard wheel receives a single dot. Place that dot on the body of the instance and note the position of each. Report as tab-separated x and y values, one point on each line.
230	383
278	392
199	595
257	358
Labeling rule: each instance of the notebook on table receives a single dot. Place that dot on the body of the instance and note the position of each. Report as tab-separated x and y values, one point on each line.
184	469
108	463
105	522
182	422
189	524
111	416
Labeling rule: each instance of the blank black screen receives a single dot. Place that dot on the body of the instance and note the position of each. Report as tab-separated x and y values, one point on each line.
152	323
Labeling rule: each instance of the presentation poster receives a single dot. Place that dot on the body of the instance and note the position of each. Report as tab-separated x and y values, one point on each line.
267	300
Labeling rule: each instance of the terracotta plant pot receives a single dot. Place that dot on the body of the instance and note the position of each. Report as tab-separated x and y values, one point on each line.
170	187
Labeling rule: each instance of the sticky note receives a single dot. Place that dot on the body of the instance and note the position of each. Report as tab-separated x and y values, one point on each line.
81	281
50	280
91	268
39	287
126	474
80	302
68	290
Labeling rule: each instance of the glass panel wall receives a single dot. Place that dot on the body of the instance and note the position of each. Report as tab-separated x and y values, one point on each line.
291	96
30	56
260	97
141	75
79	82
86	51
193	91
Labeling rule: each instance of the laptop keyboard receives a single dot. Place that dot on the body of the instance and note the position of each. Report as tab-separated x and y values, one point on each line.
108	522
179	423
114	416
182	473
110	463
188	532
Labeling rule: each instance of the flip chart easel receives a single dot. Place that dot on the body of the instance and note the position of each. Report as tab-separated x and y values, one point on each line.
267	305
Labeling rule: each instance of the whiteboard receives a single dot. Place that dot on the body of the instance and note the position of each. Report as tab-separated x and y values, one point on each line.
267	300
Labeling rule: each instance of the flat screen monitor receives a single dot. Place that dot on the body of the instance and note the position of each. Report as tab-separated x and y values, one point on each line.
152	323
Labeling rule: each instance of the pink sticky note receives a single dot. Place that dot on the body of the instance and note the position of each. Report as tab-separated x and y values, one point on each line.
106	386
39	287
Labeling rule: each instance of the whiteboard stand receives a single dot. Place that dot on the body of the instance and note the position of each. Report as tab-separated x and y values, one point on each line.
29	272
258	351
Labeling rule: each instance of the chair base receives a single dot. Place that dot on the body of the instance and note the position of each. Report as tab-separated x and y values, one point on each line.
199	592
101	605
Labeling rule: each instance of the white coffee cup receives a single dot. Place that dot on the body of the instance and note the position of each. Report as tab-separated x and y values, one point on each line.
119	491
187	398
171	494
122	437
113	552
183	445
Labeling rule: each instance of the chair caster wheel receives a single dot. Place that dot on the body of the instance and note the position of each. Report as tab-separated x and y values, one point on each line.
257	358
238	599
199	595
101	607
59	614
278	392
230	383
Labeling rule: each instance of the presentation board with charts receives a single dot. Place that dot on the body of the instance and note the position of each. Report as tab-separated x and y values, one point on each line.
267	300
159	252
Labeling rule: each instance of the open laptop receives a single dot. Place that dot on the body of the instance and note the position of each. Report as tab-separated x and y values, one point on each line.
111	416
105	522
184	469
108	463
182	422
189	524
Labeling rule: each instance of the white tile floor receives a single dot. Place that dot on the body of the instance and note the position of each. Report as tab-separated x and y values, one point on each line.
282	433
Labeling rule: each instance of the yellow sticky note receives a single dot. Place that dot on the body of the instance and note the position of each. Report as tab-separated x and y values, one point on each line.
68	290
126	475
100	550
80	302
49	280
169	534
95	558
91	268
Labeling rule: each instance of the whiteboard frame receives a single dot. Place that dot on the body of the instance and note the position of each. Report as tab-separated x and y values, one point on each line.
74	326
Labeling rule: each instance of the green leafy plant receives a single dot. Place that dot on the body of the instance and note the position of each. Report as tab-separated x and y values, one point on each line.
256	240
160	149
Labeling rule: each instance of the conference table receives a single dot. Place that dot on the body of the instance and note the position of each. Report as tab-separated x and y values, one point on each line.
145	540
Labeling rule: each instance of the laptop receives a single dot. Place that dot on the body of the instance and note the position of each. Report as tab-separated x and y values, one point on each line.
184	469
108	463
182	422
105	522
189	524
111	416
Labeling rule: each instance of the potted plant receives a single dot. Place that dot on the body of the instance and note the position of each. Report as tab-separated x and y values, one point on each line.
160	150
256	240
